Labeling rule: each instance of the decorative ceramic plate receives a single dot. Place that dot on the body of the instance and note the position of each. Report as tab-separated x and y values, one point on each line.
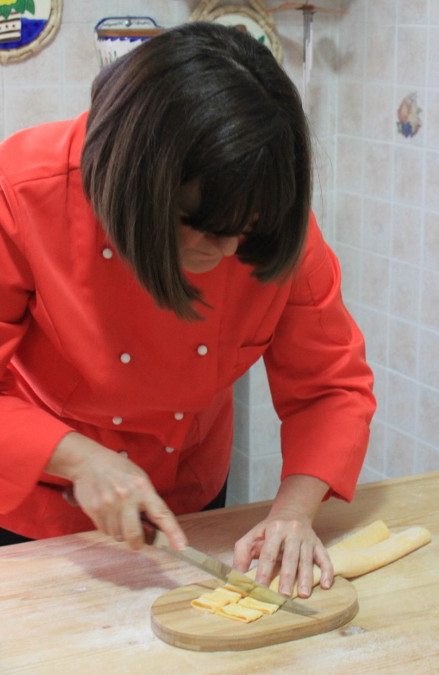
26	26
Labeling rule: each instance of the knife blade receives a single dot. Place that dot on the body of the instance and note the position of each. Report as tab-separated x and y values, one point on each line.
223	571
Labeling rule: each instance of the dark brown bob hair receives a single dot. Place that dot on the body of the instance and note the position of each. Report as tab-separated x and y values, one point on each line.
199	102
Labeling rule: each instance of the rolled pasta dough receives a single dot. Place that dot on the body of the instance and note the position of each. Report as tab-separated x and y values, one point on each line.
368	550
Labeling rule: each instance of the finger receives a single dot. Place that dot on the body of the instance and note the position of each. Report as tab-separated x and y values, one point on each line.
113	525
158	512
246	549
305	570
289	568
132	531
99	516
321	556
111	502
268	559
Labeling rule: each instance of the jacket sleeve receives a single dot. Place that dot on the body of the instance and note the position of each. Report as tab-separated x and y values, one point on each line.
320	382
28	434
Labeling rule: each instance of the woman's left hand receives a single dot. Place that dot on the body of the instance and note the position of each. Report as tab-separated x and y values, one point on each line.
287	536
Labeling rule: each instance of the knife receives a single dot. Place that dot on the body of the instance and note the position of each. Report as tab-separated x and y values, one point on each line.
222	571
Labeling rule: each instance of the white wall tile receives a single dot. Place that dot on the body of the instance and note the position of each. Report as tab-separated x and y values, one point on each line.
375	275
401	403
404	290
430	299
377	221
432	117
431	240
410	12
406	233
80	56
83	11
259	391
432	180
376	453
378	162
350	163
428	416
426	458
76	100
379	114
349	218
265	477
403	346
434	13
380	52
264	431
349	258
28	106
409	175
433	57
428	368
381	13
239	478
350	108
380	387
242	427
400	455
374	325
352	56
412	55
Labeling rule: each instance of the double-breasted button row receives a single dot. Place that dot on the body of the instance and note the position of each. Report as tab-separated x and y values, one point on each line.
117	421
125	358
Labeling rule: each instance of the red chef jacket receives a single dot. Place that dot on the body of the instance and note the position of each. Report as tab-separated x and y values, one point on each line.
83	347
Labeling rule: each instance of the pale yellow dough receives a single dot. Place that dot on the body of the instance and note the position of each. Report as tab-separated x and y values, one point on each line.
362	552
264	607
368	550
239	613
218	598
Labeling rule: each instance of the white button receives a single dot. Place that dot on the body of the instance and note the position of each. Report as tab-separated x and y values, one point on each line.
117	420
107	253
202	350
125	357
178	415
168	449
123	453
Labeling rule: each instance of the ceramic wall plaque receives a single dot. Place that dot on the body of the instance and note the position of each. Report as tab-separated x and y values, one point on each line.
26	26
251	17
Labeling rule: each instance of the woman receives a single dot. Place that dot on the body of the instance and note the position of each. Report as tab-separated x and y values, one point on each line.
152	250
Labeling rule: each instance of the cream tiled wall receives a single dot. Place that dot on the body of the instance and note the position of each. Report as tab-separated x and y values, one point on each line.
380	211
256	462
387	222
376	198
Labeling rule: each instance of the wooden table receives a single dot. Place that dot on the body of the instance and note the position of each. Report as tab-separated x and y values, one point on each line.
81	603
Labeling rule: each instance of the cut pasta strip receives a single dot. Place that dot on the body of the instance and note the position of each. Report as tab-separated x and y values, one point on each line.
218	598
240	592
239	613
264	607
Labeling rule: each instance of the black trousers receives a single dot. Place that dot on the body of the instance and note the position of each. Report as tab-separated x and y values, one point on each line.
7	538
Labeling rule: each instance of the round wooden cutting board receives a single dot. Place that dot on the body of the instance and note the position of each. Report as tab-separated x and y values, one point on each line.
177	623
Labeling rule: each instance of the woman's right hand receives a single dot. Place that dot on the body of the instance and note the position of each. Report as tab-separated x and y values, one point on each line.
112	491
